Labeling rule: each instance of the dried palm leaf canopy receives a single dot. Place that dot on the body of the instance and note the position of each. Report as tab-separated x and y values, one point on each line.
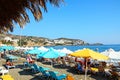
14	11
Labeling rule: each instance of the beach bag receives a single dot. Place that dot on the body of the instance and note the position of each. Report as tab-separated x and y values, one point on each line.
69	77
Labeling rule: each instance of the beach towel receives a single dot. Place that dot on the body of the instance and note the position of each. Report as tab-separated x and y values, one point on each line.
69	77
7	77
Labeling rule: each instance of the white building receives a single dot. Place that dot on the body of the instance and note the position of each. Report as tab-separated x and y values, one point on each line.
59	41
8	39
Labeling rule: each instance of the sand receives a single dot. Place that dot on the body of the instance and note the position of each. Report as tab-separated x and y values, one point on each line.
21	73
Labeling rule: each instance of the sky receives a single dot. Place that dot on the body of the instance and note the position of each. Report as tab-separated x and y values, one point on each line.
89	20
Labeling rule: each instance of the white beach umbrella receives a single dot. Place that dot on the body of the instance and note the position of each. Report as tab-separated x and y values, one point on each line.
111	54
28	48
18	47
65	50
43	48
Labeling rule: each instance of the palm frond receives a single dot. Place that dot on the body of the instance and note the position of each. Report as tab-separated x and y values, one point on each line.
15	12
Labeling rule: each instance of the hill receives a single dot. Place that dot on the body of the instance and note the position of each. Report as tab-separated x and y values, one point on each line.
18	40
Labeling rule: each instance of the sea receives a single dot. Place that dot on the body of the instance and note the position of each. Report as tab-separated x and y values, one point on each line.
99	48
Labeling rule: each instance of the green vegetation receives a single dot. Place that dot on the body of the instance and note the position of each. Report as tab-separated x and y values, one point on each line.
7	42
22	42
41	41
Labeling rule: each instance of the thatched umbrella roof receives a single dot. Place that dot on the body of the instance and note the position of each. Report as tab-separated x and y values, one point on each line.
14	11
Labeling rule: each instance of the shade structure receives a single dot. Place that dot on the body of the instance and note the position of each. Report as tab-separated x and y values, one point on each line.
2	48
86	53
16	11
34	51
65	50
111	54
11	57
51	53
89	53
43	48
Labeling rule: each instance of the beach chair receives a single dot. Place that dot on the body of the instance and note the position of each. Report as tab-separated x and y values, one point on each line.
57	77
94	70
114	75
9	67
9	64
45	73
3	71
44	68
27	64
35	68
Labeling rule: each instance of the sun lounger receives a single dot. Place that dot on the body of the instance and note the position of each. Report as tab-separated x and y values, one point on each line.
115	75
56	76
27	64
45	73
35	68
3	71
9	67
44	68
94	70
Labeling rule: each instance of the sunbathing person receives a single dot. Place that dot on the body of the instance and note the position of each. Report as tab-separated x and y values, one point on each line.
80	68
29	59
9	63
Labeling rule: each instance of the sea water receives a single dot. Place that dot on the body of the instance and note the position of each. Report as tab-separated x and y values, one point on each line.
99	48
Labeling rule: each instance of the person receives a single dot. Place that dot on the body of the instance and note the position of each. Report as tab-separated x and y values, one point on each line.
63	61
80	68
87	62
29	59
9	63
95	63
58	60
79	65
4	51
101	70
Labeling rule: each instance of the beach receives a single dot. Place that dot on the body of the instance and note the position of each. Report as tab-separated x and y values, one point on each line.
21	73
78	41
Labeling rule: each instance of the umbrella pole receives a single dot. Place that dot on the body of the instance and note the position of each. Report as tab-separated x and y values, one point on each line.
51	62
36	61
86	70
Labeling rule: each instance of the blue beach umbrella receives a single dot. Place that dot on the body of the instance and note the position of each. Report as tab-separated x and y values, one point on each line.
11	57
34	51
2	48
61	54
11	48
51	53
